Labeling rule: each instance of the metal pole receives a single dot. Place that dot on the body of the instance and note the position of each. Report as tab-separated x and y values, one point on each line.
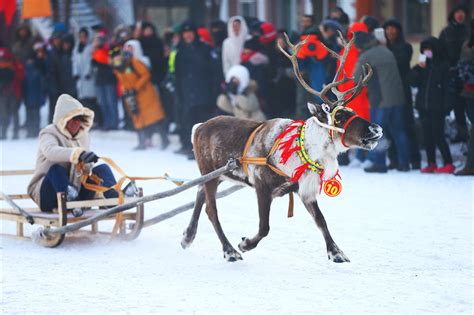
186	207
231	165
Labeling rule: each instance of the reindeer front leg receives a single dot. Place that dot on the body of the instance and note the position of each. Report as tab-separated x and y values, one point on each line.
264	198
334	253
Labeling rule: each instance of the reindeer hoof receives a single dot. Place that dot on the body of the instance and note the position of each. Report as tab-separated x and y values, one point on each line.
187	240
338	257
244	245
232	256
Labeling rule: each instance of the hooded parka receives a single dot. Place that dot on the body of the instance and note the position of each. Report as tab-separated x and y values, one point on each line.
58	146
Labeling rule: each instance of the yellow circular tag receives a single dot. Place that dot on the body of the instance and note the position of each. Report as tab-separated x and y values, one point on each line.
332	187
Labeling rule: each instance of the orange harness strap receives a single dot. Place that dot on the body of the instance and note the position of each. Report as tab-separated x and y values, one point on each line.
97	186
263	161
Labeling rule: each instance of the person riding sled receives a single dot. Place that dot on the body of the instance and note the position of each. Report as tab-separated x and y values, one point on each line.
62	146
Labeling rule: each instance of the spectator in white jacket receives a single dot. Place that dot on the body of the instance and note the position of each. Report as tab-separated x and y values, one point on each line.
238	33
84	75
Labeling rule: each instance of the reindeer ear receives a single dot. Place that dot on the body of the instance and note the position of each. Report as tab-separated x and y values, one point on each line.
317	111
313	109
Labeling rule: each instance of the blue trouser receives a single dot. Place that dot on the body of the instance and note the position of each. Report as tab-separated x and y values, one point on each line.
391	120
108	103
57	180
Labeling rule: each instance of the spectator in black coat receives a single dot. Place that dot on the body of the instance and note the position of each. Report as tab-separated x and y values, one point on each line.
431	80
67	82
403	51
282	85
452	38
193	72
53	62
153	48
218	30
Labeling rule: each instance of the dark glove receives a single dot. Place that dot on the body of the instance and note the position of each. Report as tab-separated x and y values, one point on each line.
88	157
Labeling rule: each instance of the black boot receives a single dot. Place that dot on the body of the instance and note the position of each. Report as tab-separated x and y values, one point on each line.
141	140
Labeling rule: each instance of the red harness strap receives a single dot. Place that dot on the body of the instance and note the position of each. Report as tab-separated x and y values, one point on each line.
345	128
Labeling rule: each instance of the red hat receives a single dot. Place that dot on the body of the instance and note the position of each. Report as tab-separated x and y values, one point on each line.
357	27
204	35
269	33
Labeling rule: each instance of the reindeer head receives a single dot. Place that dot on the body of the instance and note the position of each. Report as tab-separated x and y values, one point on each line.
343	123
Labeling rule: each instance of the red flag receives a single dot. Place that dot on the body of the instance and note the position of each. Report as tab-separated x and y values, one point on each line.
8	7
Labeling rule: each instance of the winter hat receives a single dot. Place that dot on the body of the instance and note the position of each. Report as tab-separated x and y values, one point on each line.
146	24
59	28
269	33
333	24
84	30
357	27
241	73
454	10
68	38
67	107
392	22
137	51
204	35
371	22
218	31
362	39
434	44
187	27
255	27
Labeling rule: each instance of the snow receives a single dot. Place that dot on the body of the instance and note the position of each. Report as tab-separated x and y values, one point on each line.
409	238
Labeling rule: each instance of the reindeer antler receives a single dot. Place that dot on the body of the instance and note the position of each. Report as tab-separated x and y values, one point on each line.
341	96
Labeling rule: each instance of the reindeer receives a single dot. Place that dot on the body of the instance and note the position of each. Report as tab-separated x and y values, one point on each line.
330	130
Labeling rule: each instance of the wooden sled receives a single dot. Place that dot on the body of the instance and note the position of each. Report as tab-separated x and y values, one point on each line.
62	216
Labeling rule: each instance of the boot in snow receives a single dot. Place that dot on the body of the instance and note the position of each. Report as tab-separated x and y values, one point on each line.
447	169
430	168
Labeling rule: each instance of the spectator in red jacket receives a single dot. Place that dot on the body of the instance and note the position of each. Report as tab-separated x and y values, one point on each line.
11	77
360	104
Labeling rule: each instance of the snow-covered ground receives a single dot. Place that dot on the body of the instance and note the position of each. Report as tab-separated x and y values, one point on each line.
409	237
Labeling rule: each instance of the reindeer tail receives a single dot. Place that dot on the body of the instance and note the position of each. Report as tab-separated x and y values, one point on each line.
193	131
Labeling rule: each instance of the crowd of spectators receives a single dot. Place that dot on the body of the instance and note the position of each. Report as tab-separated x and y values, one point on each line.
165	84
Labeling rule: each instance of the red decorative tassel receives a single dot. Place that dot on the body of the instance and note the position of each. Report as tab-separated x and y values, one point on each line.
285	155
298	172
295	124
321	181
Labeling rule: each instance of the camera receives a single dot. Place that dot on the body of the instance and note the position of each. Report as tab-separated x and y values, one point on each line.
231	87
130	98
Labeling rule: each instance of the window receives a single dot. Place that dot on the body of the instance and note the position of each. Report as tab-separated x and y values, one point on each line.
417	17
248	8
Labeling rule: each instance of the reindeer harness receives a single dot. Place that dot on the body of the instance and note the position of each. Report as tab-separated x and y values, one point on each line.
288	147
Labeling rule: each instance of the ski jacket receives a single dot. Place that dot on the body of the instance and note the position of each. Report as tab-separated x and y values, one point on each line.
58	146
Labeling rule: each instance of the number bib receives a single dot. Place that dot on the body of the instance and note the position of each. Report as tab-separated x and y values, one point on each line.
332	187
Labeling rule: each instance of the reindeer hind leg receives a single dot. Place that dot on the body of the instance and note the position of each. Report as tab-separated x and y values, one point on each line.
190	233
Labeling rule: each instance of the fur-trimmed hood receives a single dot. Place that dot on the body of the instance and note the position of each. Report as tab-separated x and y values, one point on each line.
68	107
241	73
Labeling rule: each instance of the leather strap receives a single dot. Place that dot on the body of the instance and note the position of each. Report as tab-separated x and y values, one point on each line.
263	161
